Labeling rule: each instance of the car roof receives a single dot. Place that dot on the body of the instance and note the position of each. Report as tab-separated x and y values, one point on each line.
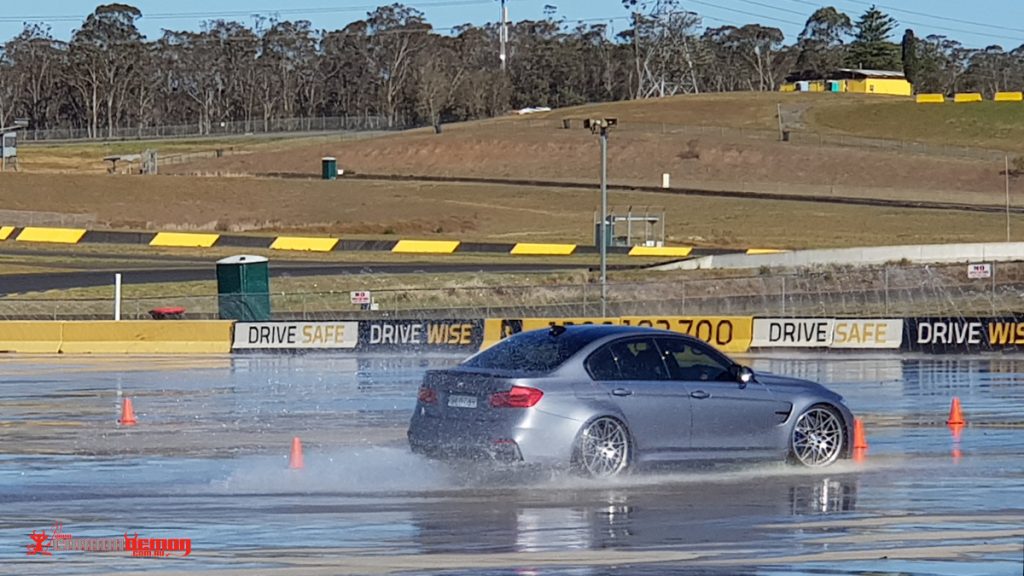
592	332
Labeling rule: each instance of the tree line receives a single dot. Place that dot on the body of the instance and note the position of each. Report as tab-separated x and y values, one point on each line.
392	65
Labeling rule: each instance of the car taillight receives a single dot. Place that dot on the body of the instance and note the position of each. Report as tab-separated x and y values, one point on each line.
427	395
517	397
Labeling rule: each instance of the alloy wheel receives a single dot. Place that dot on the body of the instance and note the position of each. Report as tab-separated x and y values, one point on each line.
818	437
604	448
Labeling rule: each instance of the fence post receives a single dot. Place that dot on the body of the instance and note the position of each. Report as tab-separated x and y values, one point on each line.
584	298
783	295
992	297
886	288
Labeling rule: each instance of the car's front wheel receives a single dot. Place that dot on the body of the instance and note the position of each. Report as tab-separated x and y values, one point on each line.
818	437
603	449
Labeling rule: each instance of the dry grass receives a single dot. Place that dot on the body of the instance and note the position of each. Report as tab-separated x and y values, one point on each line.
355	209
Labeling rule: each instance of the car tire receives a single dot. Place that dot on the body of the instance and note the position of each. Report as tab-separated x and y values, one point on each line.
818	437
603	449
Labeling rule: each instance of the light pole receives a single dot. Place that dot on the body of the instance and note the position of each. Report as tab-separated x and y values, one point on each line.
600	126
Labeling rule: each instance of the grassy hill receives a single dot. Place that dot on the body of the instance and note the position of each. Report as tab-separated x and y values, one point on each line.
711	142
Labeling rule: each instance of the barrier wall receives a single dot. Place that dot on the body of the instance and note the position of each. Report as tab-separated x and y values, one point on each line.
727	333
932	335
30	337
109	337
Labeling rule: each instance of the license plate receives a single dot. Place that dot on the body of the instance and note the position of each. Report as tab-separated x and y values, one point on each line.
460	401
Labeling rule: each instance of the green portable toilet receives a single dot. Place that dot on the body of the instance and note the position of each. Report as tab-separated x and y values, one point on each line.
329	168
243	288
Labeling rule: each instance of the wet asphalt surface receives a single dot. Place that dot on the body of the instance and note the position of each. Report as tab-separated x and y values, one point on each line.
208	461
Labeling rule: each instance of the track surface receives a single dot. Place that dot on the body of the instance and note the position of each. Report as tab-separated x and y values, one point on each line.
208	461
177	271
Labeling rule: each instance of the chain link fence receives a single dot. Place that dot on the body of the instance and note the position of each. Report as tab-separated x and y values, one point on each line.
891	291
800	137
217	129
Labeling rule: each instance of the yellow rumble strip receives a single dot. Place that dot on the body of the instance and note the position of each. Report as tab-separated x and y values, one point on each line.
52	235
661	251
304	244
529	249
184	240
426	246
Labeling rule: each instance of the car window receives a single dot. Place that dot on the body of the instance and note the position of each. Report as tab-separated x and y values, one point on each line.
694	362
633	359
538	351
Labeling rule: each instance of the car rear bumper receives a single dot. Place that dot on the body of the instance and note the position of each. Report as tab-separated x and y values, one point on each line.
532	436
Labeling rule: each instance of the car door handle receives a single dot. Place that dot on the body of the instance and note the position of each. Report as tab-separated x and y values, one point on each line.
700	395
622	392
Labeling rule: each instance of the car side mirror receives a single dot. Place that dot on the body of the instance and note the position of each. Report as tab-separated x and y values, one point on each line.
744	375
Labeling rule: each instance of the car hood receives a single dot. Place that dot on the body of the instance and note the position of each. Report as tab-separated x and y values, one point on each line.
784	383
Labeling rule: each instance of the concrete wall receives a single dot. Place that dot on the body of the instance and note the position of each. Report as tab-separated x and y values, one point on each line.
919	254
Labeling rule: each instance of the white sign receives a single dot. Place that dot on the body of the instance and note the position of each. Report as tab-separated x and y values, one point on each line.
295	335
792	332
361	297
978	271
873	333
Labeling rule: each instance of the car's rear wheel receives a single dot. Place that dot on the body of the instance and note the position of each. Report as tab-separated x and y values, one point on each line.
603	449
818	437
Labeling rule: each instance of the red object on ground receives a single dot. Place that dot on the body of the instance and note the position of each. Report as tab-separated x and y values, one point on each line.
127	414
167	312
860	440
295	462
956	416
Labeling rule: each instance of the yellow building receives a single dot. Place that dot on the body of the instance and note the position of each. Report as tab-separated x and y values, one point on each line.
851	80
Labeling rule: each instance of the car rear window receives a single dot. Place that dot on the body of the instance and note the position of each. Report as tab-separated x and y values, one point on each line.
539	352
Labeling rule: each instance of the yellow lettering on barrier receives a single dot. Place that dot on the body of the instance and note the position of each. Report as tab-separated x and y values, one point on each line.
1006	333
449	334
726	333
860	332
304	244
51	235
184	240
323	334
5	232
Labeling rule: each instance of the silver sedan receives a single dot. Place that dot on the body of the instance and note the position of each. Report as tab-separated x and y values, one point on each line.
603	399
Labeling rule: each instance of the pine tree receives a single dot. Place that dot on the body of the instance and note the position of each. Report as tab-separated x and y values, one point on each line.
871	48
909	52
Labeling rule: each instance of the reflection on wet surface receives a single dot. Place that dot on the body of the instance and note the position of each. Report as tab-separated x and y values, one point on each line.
208	461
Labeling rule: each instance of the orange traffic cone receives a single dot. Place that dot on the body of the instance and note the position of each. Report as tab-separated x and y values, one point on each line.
127	414
860	441
956	417
295	462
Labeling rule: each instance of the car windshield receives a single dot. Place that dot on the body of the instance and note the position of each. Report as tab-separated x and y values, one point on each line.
538	352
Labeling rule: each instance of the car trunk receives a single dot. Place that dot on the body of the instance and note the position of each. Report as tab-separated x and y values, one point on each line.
465	395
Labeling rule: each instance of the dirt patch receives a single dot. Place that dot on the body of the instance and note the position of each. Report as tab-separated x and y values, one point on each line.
634	158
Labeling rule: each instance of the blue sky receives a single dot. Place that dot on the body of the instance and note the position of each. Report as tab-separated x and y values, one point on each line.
977	24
